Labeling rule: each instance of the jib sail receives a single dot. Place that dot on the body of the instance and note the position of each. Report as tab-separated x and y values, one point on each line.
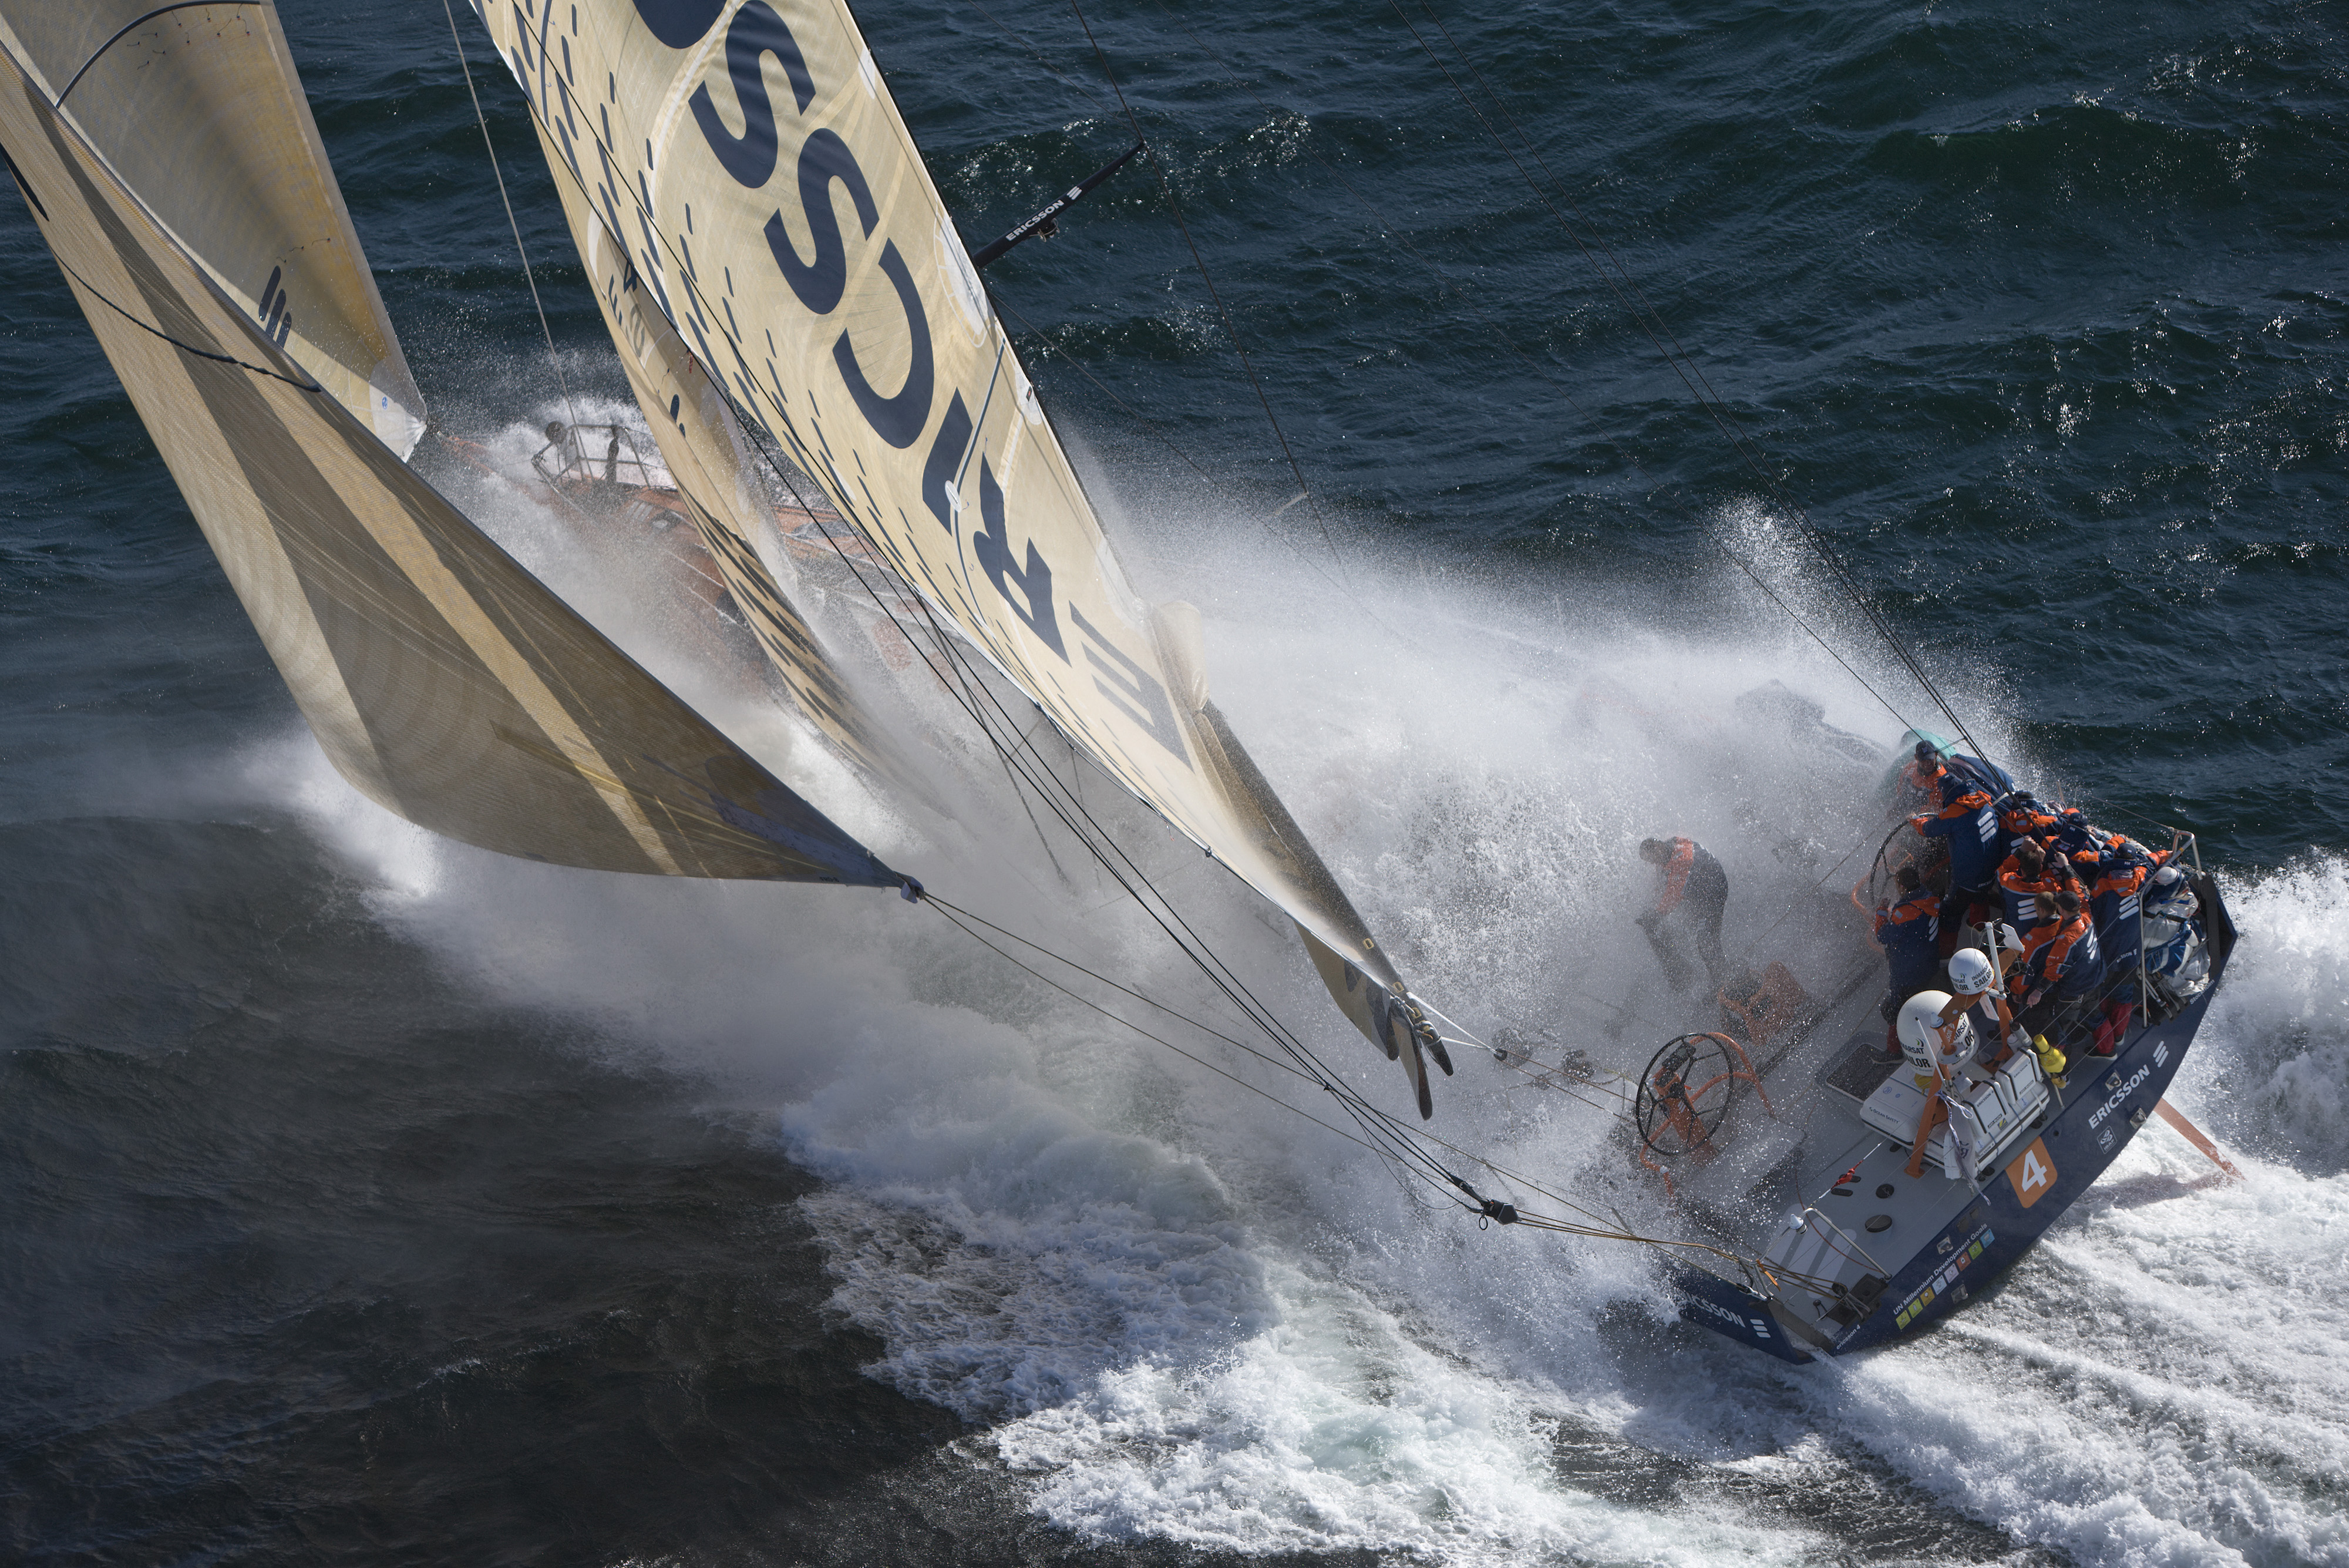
748	158
440	679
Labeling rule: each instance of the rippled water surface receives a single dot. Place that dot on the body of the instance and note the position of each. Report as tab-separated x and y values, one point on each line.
364	1199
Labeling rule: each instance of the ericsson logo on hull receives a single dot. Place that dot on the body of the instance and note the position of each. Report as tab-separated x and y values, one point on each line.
2118	1095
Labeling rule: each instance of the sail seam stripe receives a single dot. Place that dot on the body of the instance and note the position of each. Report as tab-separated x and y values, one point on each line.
127	27
184	348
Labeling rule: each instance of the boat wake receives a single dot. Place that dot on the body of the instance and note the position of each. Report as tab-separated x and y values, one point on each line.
1177	1313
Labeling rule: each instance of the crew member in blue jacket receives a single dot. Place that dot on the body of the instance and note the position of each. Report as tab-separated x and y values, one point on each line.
2116	879
1969	822
2064	969
1907	930
1695	893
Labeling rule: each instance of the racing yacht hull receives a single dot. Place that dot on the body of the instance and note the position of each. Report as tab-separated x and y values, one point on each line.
1938	1243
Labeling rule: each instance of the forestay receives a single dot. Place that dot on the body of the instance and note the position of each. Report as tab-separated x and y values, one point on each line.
440	679
197	110
747	155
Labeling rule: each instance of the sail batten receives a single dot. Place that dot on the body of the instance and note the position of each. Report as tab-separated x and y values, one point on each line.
776	213
440	678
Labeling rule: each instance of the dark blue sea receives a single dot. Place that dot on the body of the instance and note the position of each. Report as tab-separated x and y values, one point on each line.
367	1200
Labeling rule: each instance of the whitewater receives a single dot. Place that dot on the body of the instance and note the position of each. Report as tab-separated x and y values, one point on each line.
1171	1310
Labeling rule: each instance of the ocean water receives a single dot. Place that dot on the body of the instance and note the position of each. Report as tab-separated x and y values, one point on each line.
364	1198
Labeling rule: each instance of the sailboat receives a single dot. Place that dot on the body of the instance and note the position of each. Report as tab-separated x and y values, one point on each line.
829	390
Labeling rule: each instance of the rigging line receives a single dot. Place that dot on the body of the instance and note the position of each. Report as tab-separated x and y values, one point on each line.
491	148
1172	1012
1166	185
1441	1180
1538	1221
1689	378
1386	1156
1196	948
1288	1067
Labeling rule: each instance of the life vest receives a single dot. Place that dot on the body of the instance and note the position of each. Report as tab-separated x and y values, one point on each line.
2020	893
2071	961
1909	933
1969	822
2114	907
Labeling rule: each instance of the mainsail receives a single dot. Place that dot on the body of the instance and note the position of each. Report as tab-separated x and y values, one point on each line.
747	159
196	109
440	679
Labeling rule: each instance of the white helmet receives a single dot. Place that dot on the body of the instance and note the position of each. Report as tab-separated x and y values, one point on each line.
1969	971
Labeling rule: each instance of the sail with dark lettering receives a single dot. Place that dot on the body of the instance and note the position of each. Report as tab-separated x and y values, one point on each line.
739	165
440	678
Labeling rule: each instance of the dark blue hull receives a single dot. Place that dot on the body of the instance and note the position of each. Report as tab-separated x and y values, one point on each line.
2105	1101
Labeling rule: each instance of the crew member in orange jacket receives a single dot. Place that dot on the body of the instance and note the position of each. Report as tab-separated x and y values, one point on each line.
1907	932
2063	966
1695	892
1968	822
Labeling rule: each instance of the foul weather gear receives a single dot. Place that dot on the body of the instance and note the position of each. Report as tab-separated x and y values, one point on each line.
1969	822
1695	893
1909	933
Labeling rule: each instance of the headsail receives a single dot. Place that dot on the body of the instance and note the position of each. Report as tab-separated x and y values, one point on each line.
777	212
703	448
197	110
440	678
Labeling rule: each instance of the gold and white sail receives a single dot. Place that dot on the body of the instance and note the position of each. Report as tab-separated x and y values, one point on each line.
196	111
440	679
707	455
748	161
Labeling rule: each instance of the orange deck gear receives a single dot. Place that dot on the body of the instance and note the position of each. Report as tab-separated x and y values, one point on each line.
1773	1003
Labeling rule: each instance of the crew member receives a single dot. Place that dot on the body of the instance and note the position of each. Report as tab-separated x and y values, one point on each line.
2063	968
2023	881
1695	892
1969	823
1973	772
1937	1053
2114	909
1973	980
2024	821
1920	780
1907	932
